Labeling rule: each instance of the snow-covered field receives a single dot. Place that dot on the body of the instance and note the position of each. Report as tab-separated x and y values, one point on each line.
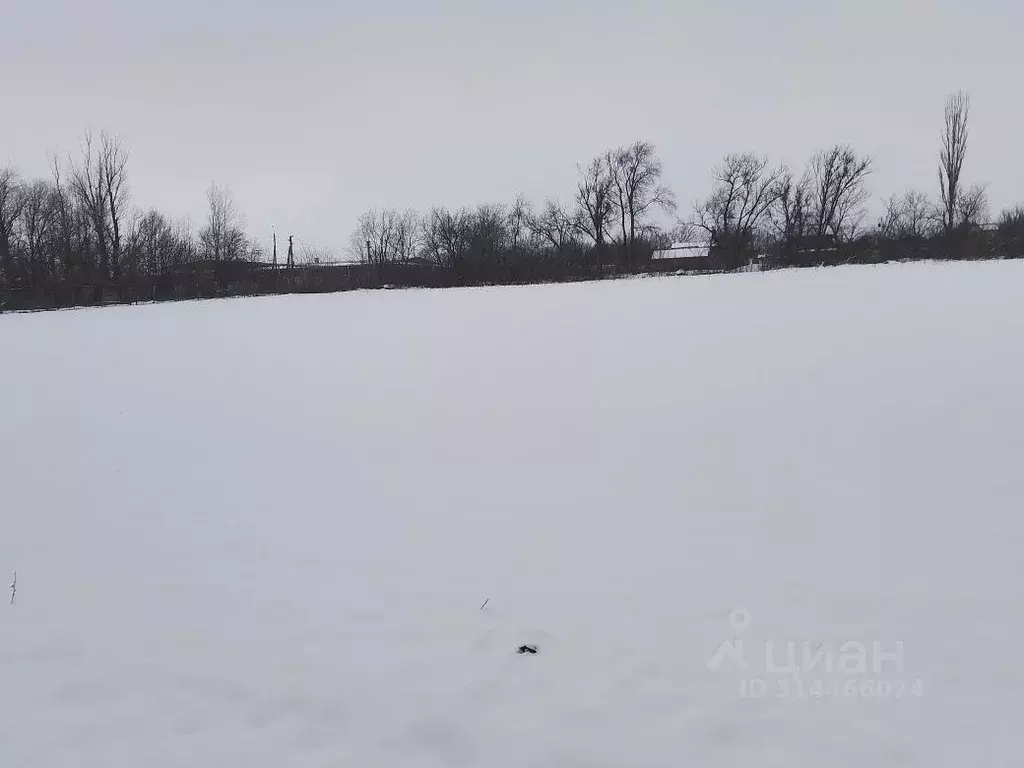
260	532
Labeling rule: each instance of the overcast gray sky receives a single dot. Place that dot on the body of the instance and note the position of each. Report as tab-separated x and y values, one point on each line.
312	111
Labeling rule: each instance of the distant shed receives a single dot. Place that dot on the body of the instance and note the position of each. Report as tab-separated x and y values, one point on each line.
684	251
693	258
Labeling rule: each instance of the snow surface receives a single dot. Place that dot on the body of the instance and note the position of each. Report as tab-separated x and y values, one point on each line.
260	532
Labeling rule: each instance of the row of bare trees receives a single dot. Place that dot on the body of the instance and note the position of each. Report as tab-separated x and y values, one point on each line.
620	209
755	206
78	227
615	199
959	207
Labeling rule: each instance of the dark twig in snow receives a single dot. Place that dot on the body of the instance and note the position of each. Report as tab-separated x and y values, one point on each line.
485	603
14	587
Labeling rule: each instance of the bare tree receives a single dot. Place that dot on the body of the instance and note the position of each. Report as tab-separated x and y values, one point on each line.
88	186
740	203
951	156
186	242
1010	232
100	184
380	237
637	176
489	235
907	216
155	243
555	225
916	214
65	225
408	235
223	238
519	217
113	158
446	236
1012	218
791	215
37	214
682	232
838	193
312	255
11	201
594	199
363	238
972	207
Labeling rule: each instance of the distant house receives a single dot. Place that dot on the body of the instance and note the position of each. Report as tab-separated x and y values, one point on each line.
683	258
683	251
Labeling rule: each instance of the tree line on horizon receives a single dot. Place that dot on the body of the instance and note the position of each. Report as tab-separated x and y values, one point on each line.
75	237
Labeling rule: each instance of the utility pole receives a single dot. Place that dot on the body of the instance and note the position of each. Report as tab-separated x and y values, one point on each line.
291	254
274	231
